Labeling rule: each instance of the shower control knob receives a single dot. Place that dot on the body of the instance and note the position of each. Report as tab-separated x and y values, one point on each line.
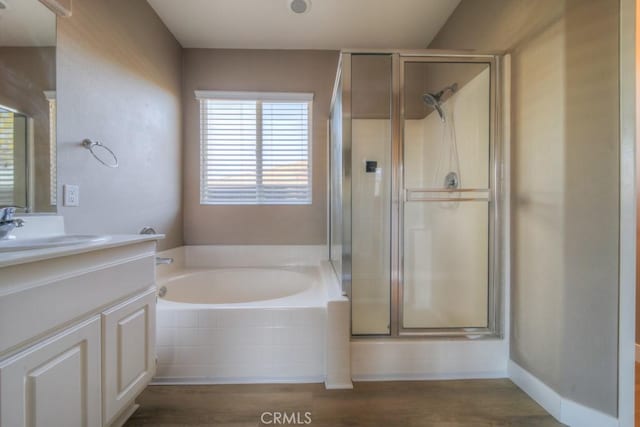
451	181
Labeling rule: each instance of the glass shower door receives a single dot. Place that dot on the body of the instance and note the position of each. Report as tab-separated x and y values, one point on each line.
371	147
447	207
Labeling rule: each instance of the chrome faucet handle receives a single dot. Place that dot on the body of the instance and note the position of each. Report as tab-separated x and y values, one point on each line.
6	213
8	222
148	230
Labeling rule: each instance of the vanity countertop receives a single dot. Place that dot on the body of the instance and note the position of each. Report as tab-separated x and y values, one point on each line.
30	255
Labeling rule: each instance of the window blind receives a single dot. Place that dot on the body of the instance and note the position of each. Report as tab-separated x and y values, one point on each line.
255	148
7	167
53	162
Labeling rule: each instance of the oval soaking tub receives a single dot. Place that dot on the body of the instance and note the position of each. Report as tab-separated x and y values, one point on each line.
235	285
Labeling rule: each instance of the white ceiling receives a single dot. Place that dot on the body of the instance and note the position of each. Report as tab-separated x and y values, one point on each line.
329	24
27	23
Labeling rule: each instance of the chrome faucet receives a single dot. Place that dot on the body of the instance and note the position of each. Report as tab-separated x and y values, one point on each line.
148	230
162	260
8	222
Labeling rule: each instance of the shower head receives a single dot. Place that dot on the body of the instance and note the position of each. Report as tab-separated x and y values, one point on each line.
447	90
434	100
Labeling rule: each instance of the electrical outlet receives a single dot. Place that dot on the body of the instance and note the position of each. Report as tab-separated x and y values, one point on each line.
71	195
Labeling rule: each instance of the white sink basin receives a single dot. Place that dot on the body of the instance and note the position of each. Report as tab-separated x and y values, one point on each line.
49	242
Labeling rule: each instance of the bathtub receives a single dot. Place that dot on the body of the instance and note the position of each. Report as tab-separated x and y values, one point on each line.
247	314
250	286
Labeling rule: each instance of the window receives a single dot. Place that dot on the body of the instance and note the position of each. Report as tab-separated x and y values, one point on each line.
255	148
53	162
7	167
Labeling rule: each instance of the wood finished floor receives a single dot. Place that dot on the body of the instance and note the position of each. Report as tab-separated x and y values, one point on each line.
469	403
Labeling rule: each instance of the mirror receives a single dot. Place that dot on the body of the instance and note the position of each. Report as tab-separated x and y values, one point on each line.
27	106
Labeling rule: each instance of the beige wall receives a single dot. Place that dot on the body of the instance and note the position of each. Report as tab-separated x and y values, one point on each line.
564	184
256	70
25	73
61	7
637	62
371	87
119	80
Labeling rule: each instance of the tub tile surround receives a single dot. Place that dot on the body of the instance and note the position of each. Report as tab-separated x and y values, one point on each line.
291	339
242	345
254	256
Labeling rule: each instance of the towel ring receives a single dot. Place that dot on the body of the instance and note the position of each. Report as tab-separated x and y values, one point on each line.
90	145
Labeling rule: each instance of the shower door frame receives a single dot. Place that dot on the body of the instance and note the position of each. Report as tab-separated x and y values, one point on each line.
495	168
399	58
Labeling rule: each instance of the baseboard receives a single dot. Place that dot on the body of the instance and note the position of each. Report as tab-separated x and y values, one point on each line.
575	414
564	410
243	380
638	353
431	377
536	389
213	381
338	386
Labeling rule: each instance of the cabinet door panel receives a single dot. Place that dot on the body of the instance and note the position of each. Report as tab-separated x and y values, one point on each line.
128	352
54	383
132	342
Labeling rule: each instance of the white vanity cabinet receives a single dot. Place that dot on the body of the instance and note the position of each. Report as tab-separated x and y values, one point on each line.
55	383
77	335
128	352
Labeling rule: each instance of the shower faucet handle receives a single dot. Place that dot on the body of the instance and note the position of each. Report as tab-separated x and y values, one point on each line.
163	260
148	230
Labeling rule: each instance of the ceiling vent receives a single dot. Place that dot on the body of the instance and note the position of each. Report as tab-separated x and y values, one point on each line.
296	6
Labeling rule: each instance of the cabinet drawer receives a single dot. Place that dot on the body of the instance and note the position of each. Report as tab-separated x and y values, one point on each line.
42	305
55	383
128	352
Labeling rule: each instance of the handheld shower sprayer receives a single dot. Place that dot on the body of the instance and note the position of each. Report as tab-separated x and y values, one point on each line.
435	100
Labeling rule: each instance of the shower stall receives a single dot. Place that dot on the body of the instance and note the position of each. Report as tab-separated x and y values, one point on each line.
415	173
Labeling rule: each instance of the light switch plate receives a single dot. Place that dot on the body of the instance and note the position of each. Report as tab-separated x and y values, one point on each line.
71	195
